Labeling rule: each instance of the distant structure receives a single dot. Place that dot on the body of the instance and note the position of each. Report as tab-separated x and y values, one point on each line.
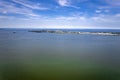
14	32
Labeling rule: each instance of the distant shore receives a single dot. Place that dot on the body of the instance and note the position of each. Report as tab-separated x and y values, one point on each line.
75	32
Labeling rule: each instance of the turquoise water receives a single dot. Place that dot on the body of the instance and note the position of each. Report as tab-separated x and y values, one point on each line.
43	56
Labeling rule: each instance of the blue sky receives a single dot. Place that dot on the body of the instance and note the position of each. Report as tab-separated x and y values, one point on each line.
60	14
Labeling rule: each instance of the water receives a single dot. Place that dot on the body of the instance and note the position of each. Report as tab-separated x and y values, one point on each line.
43	56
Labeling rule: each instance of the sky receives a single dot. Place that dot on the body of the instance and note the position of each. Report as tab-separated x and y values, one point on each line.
98	14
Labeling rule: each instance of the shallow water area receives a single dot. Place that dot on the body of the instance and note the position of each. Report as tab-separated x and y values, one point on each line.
26	55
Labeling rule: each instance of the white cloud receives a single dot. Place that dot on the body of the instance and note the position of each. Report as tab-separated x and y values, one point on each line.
77	20
106	10
11	8
66	3
65	22
102	10
98	11
6	17
104	7
99	21
64	18
63	2
29	4
106	18
113	2
69	2
118	15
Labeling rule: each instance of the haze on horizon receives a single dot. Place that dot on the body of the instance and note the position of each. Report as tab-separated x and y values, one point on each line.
103	14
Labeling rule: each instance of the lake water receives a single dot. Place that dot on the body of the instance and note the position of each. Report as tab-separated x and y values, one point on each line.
43	56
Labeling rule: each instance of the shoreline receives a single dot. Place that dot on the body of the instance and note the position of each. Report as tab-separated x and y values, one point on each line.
75	32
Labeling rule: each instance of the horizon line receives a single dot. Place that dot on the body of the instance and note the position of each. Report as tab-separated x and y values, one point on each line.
55	28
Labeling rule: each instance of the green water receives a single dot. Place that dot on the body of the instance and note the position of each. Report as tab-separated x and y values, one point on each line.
31	56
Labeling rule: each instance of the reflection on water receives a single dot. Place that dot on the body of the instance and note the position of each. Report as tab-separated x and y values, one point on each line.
33	56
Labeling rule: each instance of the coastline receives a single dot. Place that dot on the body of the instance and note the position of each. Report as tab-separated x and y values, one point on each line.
75	32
